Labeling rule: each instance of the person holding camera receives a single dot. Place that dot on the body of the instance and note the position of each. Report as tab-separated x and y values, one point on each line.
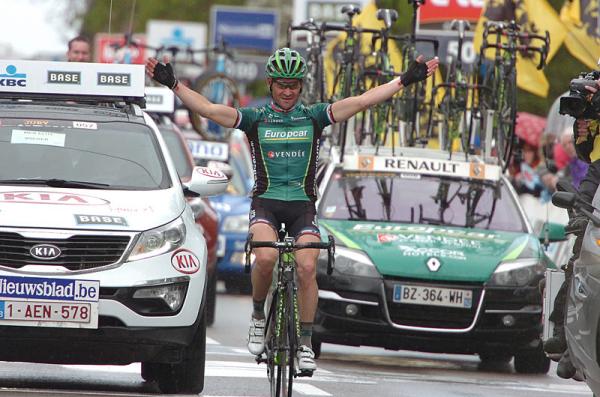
586	134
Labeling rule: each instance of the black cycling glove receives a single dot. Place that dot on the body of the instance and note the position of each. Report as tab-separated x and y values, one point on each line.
417	71
164	75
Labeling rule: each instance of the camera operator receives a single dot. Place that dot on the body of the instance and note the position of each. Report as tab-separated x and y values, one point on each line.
584	104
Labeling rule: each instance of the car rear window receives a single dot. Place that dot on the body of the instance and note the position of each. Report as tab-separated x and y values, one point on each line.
119	154
421	200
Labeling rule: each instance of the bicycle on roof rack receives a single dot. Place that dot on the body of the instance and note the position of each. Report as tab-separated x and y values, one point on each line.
282	329
378	122
216	85
454	127
313	87
497	82
413	102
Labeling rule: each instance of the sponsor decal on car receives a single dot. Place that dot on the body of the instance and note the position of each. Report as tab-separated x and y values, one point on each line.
185	261
50	198
429	252
100	220
210	172
429	239
371	227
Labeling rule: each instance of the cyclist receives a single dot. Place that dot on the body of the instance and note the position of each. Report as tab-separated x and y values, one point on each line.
79	49
284	139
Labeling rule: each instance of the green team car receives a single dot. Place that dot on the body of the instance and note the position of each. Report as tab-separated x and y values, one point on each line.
433	253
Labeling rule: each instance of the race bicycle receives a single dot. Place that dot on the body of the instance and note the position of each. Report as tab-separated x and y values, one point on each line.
282	328
497	83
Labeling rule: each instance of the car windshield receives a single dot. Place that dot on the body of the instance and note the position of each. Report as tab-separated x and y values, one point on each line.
422	200
178	152
110	155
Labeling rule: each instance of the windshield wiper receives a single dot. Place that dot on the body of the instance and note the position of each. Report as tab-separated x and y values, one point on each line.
55	183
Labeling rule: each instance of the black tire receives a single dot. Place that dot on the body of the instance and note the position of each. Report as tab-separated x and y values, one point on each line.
150	371
532	361
270	342
230	96
507	114
283	376
293	330
316	346
495	357
238	286
188	375
211	299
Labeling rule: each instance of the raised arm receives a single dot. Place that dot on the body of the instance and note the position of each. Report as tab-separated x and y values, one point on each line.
223	115
348	107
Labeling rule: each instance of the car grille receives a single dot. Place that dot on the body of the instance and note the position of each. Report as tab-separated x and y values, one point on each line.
79	252
438	317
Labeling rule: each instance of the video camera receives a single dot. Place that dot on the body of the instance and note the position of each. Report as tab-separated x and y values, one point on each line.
577	104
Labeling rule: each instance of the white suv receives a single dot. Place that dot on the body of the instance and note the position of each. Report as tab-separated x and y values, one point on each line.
100	258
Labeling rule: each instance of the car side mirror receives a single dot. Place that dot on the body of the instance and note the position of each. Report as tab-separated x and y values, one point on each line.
206	181
569	200
564	200
552	232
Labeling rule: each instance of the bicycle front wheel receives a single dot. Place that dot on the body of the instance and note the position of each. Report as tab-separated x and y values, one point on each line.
217	88
285	354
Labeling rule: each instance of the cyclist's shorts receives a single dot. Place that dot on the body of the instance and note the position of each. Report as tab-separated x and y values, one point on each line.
299	217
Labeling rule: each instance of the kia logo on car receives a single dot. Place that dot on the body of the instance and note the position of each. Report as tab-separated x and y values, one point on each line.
45	251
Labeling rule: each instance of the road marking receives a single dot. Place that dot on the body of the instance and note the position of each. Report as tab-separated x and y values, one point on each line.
210	341
309	390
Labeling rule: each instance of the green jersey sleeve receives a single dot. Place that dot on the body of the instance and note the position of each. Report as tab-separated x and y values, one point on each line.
321	112
246	118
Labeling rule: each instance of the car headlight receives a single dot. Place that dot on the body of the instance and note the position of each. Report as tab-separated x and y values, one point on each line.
352	262
160	240
517	273
236	224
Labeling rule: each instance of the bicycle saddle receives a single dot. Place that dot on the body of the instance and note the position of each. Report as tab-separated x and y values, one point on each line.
350	10
460	24
388	16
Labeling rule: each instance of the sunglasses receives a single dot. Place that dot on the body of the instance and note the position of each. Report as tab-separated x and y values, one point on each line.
292	85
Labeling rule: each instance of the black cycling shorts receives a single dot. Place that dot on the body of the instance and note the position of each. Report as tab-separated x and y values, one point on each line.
299	217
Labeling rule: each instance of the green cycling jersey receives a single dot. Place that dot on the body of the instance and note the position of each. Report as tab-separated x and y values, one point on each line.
285	148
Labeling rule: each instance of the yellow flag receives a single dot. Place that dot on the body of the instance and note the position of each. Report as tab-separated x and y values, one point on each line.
534	16
580	17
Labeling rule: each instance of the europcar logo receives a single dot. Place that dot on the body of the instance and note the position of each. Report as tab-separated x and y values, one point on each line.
12	79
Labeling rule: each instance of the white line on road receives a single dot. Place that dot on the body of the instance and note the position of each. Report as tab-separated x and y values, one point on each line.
309	390
210	341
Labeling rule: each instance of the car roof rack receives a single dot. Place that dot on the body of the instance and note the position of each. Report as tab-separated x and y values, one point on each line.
78	82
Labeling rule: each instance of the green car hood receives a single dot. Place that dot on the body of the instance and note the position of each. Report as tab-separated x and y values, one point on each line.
403	250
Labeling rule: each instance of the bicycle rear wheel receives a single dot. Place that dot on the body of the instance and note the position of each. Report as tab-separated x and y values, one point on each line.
217	88
507	115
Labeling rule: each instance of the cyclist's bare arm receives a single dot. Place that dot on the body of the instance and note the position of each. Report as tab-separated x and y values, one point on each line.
223	115
348	107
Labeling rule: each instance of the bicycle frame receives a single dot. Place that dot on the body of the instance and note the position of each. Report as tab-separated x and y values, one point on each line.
283	320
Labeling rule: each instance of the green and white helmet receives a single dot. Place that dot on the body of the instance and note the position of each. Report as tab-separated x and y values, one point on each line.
286	63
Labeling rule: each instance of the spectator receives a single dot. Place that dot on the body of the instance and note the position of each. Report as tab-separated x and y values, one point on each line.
526	179
576	168
79	50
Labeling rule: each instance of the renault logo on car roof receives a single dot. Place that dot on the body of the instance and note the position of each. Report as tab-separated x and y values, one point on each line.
433	264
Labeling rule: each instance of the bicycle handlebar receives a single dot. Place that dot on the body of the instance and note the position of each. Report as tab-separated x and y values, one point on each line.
521	48
289	246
